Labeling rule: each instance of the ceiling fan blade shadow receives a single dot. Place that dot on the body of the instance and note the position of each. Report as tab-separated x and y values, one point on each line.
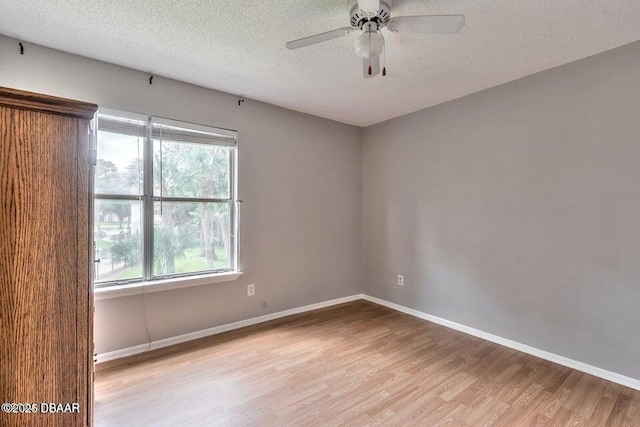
319	38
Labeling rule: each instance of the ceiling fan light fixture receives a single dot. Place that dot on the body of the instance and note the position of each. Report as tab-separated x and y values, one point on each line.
369	45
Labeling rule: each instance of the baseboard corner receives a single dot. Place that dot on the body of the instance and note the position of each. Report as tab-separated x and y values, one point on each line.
543	354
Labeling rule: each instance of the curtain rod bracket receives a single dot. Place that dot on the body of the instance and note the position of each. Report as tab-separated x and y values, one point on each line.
240	101
21	49
150	80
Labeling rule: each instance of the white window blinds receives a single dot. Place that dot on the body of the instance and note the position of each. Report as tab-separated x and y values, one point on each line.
168	130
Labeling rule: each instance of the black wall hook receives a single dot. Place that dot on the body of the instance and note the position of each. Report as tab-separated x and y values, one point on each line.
151	80
240	101
21	49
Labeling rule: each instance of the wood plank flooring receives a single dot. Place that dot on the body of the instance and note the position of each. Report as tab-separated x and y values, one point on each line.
351	365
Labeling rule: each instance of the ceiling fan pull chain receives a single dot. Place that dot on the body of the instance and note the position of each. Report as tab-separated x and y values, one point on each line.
384	54
370	69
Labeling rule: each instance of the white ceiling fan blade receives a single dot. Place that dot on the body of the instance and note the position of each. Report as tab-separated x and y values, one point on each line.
371	6
374	63
434	24
319	38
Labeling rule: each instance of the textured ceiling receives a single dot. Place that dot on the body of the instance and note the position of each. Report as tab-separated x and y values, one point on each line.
237	46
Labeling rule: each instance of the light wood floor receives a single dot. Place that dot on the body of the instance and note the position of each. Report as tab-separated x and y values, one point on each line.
353	364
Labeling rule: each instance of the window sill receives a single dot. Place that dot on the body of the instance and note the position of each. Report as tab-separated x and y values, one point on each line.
163	285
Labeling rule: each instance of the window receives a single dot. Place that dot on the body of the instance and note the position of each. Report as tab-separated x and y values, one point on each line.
164	199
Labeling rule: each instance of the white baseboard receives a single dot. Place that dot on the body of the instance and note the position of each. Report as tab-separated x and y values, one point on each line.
143	348
561	360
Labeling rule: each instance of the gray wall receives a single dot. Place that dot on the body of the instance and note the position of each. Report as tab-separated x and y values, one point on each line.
516	210
300	177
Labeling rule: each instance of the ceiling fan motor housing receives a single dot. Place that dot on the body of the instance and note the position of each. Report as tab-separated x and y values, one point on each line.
359	18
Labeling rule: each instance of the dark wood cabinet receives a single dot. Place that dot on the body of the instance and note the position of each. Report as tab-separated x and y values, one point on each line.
46	292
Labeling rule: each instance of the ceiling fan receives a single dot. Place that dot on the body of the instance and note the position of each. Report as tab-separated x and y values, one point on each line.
370	16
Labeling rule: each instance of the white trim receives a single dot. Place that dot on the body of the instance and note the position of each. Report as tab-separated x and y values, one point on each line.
163	285
561	360
142	348
125	352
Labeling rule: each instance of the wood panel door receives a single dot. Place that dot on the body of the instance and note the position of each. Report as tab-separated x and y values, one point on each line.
46	300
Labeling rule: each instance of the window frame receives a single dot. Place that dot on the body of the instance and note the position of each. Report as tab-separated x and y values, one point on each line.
147	200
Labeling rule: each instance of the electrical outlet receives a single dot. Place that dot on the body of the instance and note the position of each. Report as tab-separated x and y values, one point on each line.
400	280
251	290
